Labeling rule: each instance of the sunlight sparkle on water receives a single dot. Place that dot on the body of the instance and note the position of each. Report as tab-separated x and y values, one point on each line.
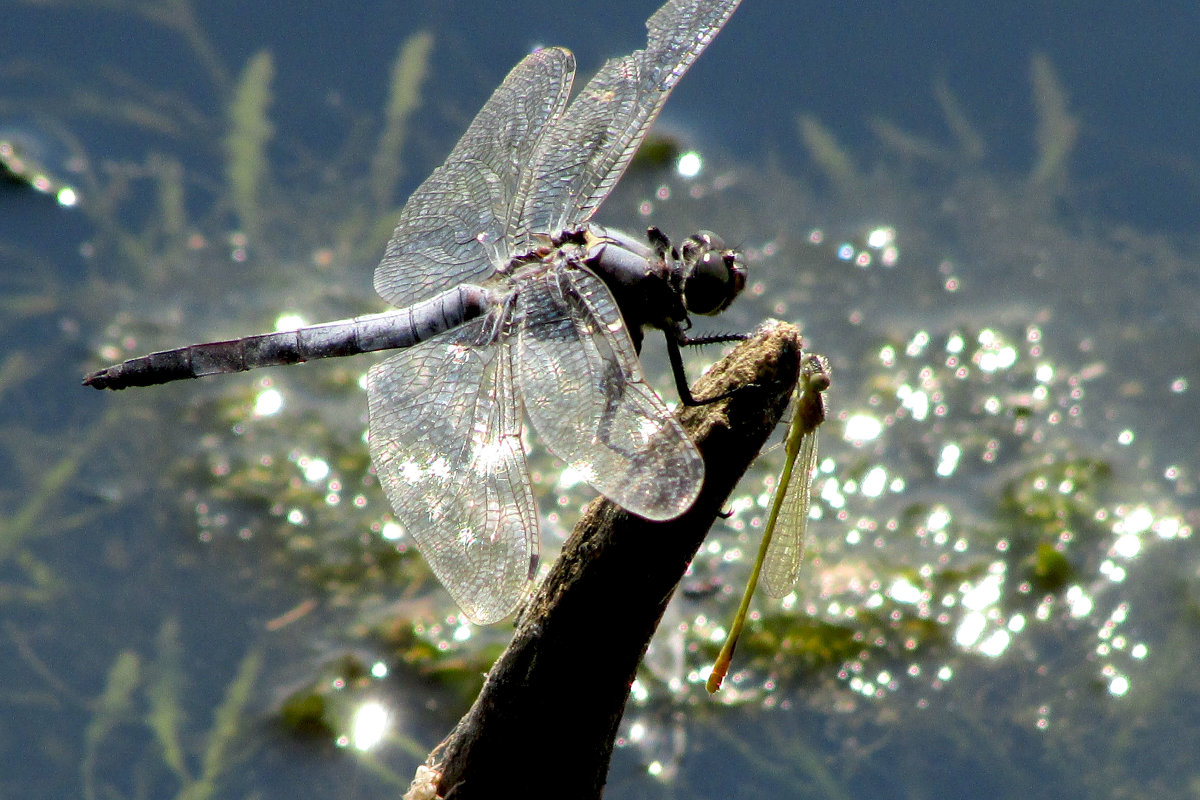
315	469
970	629
917	344
904	592
1171	528
874	482
998	360
915	400
939	519
1079	602
995	644
1127	546
831	493
268	402
1137	521
1111	570
883	241
862	428
986	593
370	723
881	237
949	460
994	354
689	164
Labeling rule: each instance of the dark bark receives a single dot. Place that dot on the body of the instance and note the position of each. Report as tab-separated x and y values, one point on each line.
545	721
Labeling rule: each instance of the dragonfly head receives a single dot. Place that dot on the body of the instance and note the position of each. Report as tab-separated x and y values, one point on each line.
712	274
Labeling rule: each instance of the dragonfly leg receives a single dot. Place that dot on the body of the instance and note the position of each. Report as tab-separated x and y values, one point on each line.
676	339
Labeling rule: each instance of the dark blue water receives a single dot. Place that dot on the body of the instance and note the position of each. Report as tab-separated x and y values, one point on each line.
127	517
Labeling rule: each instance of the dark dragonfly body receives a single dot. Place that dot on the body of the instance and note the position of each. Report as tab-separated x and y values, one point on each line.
511	304
649	284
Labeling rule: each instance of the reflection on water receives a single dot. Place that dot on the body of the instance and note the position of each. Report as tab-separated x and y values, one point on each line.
1002	520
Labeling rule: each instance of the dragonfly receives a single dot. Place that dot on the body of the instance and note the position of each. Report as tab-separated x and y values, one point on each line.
782	548
510	304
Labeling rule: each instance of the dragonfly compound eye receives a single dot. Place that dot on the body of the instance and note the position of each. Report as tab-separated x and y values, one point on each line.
712	274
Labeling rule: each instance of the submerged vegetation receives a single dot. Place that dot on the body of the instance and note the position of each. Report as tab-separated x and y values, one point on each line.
991	511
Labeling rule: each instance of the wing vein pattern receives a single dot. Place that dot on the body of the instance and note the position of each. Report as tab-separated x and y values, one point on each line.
455	227
446	442
586	397
591	145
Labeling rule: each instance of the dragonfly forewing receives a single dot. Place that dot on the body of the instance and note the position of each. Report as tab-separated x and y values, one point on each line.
587	151
446	443
583	390
457	226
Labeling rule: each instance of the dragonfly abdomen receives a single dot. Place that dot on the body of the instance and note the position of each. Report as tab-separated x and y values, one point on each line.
392	329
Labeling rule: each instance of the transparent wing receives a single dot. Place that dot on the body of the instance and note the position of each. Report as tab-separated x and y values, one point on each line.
583	390
781	565
445	440
455	227
589	147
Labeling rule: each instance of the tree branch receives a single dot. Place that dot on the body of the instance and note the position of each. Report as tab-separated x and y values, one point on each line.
545	721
